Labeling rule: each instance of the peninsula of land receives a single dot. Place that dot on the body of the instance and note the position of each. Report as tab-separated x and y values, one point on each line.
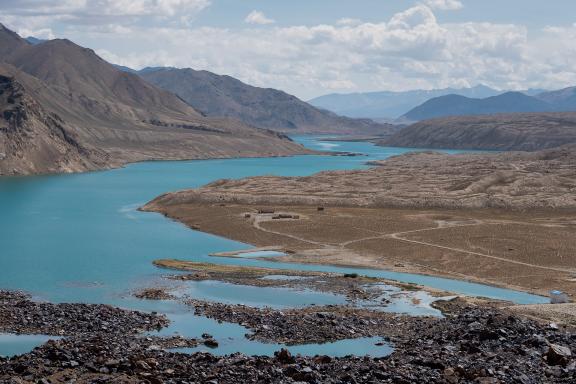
507	219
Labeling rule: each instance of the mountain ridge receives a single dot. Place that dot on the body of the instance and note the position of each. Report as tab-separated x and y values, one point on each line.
392	105
33	140
119	115
563	100
221	95
456	105
389	104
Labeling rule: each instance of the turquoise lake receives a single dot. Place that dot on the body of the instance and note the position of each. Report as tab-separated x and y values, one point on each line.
80	238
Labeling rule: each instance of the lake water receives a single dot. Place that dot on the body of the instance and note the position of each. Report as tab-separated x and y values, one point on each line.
258	297
80	238
11	345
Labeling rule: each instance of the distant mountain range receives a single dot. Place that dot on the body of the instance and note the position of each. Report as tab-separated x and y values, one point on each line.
224	96
563	99
509	102
35	41
64	109
388	104
391	105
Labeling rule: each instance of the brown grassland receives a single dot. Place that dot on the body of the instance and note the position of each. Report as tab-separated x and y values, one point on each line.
533	252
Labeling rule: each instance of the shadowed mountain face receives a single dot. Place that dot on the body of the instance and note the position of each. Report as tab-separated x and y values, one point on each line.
33	140
219	96
9	41
34	41
563	100
79	70
454	105
97	116
520	131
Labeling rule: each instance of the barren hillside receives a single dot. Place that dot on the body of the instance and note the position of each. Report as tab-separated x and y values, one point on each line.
103	110
269	108
509	132
545	179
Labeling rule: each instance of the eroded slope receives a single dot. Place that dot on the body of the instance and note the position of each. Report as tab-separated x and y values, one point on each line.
544	179
504	132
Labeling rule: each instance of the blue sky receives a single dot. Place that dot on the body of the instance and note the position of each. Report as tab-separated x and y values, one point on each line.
313	47
533	13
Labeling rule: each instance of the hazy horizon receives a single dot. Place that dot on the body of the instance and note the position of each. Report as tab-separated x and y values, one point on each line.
327	47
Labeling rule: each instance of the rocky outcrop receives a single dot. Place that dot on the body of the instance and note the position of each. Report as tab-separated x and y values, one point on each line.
33	140
225	96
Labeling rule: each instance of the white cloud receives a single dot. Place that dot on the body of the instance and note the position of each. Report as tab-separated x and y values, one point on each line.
257	17
412	49
43	33
447	5
102	11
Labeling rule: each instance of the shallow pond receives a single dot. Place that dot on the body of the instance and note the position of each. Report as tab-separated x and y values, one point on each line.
359	347
11	344
277	298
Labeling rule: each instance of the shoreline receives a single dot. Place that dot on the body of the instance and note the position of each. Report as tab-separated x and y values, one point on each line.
427	272
125	164
474	343
314	257
355	287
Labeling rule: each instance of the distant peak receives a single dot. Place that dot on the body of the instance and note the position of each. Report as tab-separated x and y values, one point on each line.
63	41
155	69
481	86
34	40
68	44
514	93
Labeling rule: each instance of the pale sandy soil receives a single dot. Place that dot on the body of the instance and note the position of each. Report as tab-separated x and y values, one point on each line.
557	313
519	181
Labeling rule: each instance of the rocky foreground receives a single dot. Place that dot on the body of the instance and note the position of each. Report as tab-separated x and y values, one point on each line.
521	181
103	344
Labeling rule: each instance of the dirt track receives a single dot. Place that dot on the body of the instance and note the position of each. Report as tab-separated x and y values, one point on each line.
533	252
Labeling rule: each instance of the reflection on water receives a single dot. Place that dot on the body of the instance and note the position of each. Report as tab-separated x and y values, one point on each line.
259	297
365	346
231	339
394	300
